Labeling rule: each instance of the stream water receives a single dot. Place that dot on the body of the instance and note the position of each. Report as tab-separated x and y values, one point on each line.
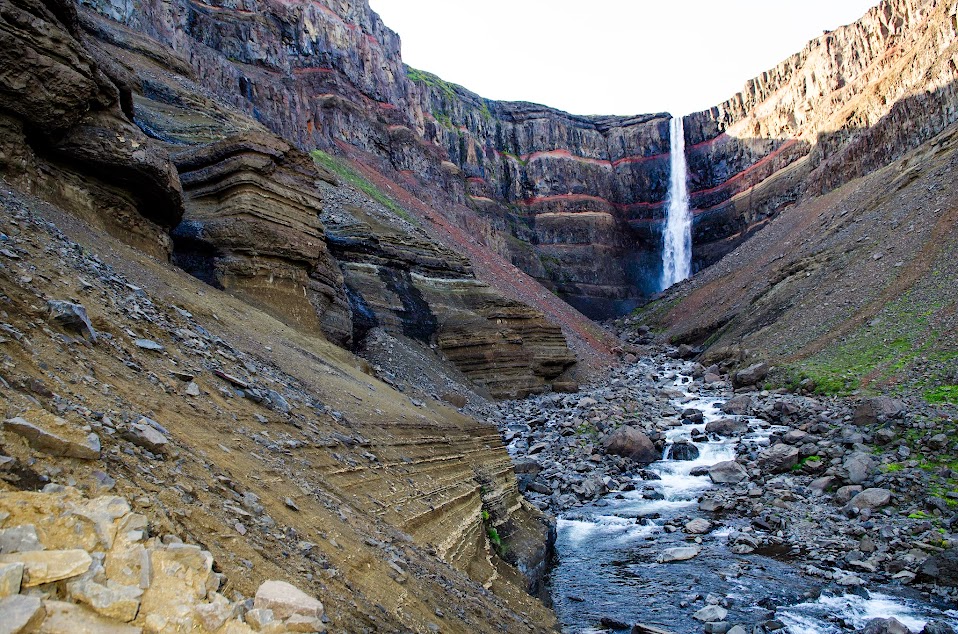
607	558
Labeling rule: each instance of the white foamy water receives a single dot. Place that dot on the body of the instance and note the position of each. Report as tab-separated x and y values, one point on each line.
677	235
808	618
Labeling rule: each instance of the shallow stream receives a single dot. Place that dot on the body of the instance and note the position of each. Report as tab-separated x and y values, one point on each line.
607	555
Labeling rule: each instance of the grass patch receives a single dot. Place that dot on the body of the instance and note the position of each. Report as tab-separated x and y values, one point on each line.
804	461
943	394
348	174
433	81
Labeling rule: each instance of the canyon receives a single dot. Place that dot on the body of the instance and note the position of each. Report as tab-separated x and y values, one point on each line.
279	276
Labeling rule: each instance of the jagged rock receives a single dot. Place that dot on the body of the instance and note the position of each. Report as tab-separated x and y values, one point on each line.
877	410
146	436
69	618
45	566
937	627
19	613
72	316
750	375
779	458
53	444
19	539
738	405
681	553
286	600
631	443
942	568
728	472
113	600
11	577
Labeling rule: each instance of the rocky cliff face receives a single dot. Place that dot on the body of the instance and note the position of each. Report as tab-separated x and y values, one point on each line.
576	202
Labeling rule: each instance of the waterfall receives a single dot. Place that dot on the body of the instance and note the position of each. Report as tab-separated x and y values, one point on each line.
677	236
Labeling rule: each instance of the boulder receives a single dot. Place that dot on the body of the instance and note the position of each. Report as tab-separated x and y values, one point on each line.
286	600
54	444
684	451
681	553
144	435
779	458
631	442
698	526
11	578
726	427
890	625
942	568
20	613
72	317
878	410
45	566
860	467
738	405
870	499
750	375
728	472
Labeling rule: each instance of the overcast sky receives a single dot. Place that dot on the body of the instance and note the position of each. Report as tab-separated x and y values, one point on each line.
609	56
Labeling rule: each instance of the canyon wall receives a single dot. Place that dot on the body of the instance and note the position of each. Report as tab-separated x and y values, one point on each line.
576	202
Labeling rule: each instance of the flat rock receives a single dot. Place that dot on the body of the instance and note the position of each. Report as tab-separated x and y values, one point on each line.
53	444
44	566
681	553
148	437
149	344
285	600
20	613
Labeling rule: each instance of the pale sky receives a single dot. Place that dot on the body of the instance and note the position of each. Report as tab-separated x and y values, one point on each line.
609	56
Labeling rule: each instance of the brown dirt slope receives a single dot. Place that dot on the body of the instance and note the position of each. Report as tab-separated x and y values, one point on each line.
321	474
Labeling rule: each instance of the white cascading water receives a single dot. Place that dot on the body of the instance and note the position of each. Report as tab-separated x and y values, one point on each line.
677	236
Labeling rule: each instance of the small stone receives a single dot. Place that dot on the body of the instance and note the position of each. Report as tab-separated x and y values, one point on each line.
192	389
20	613
258	618
291	504
148	437
286	600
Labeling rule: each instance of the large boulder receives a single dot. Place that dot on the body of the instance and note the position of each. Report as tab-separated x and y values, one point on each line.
750	375
878	410
738	405
942	568
631	442
728	472
860	466
869	499
779	458
684	451
890	625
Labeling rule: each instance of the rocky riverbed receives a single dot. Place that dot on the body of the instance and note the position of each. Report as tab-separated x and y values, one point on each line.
691	499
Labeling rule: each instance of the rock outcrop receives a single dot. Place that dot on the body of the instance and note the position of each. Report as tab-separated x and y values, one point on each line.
252	227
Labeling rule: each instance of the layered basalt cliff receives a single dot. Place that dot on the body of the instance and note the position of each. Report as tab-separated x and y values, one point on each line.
576	202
